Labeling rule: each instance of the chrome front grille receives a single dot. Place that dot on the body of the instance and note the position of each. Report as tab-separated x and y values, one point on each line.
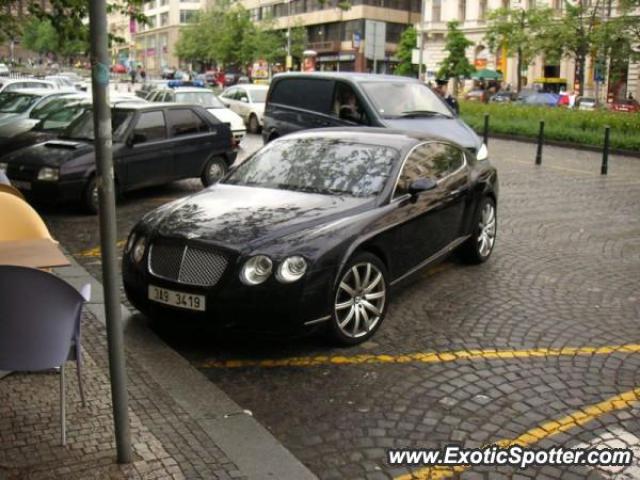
187	264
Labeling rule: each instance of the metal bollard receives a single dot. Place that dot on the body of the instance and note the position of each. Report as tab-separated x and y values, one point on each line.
540	140
605	152
485	134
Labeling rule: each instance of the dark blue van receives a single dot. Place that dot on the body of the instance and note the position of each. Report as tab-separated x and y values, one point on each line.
298	101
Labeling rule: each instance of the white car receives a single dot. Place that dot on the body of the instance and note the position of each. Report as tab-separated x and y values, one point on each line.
248	102
205	98
4	70
13	84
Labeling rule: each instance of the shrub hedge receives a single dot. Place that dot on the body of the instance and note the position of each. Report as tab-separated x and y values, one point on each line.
576	126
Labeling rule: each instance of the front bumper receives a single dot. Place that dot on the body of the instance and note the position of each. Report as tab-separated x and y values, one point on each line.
59	191
270	307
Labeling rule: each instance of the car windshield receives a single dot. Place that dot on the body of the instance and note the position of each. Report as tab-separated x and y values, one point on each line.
204	99
50	105
82	127
15	102
399	99
62	117
258	96
324	166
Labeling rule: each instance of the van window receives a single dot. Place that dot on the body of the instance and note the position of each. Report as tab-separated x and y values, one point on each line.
309	93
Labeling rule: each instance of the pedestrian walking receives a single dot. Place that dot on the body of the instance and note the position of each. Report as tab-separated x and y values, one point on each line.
132	73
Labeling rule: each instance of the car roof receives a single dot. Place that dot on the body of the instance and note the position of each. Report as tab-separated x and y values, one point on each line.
189	89
399	139
28	79
251	86
353	76
40	92
152	105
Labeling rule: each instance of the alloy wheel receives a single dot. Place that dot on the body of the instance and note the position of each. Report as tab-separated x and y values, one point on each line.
215	171
360	300
487	229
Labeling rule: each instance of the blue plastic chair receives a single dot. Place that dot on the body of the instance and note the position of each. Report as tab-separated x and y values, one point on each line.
40	325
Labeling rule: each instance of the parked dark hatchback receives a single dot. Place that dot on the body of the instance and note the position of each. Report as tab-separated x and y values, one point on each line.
313	230
152	144
299	101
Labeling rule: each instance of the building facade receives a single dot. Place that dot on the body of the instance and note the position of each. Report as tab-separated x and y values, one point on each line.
472	15
355	35
153	45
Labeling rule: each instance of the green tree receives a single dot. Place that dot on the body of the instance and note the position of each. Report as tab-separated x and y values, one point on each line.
520	32
405	51
40	36
456	64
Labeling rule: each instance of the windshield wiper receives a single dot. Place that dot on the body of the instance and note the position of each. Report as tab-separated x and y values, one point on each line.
423	113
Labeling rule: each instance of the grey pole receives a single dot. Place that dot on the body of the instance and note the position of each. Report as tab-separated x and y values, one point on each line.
421	33
540	142
106	189
375	39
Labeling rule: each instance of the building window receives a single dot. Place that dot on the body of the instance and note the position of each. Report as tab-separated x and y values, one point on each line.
188	16
152	22
482	13
164	19
436	11
462	10
164	3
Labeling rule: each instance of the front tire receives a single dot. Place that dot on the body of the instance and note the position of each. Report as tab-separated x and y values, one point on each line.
90	201
214	170
477	249
359	300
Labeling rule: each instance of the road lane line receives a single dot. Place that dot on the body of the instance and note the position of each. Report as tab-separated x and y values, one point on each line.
424	357
95	251
548	429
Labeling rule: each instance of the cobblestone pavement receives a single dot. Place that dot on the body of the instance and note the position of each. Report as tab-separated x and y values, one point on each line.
563	282
166	441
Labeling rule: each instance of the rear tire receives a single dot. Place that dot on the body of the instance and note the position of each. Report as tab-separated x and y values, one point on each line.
359	300
214	170
254	125
477	249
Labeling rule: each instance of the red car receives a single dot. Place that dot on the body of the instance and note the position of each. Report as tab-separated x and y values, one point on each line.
629	106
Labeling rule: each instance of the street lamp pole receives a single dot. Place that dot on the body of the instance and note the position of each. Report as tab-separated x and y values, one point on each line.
107	211
289	59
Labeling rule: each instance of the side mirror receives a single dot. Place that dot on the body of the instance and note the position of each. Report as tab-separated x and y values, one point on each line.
136	138
422	185
244	100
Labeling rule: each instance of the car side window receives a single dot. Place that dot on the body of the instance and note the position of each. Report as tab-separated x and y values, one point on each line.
431	160
242	96
186	122
230	94
313	94
169	97
151	127
347	106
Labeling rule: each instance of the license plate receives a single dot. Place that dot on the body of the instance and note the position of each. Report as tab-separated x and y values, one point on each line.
21	185
188	301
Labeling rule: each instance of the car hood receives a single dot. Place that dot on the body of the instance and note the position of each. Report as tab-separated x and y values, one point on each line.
452	129
228	116
6	118
244	218
17	126
52	153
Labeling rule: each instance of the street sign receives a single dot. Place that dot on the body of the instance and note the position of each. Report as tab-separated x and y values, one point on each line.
375	34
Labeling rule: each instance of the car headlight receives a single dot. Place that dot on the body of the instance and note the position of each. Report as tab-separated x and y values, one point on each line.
3	166
130	242
138	249
291	269
256	270
483	153
49	174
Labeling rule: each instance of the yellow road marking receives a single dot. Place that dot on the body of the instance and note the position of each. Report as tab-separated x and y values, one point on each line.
549	429
425	357
95	251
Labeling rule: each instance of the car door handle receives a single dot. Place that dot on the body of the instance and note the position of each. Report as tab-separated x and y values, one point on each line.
456	192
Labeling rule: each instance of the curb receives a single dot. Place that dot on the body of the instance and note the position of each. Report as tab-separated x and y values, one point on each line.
253	449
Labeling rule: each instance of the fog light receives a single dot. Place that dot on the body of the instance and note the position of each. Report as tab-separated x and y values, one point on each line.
291	269
139	248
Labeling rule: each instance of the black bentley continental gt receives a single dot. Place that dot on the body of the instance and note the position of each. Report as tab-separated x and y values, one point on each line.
314	229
